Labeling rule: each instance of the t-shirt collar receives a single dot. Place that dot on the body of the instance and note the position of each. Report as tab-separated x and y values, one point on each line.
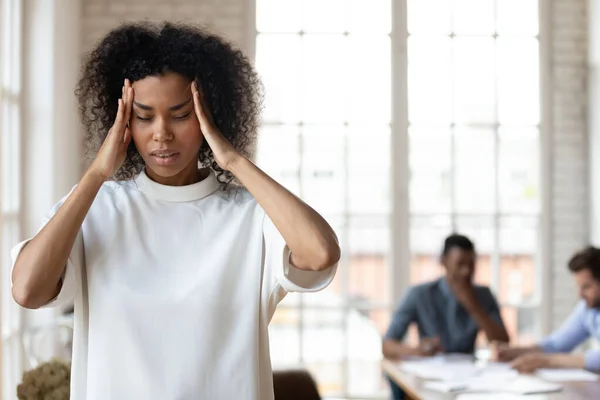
195	191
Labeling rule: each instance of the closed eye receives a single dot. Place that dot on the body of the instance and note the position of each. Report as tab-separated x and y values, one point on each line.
143	119
183	116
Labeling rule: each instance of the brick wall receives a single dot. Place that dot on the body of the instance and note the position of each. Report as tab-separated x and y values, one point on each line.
569	147
224	17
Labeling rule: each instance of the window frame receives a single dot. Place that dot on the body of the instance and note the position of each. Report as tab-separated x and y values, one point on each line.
11	42
400	254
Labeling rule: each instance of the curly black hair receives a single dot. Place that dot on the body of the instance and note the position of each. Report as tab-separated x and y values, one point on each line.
230	84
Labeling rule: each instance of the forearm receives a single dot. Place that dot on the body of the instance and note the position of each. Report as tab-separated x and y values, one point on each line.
394	349
492	329
564	360
312	242
40	265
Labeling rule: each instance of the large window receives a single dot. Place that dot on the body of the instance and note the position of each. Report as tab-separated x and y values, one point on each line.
326	136
473	144
473	106
10	189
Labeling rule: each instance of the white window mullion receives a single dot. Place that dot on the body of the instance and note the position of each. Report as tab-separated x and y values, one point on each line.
400	243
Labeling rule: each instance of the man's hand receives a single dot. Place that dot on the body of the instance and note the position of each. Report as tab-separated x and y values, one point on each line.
464	292
430	346
531	362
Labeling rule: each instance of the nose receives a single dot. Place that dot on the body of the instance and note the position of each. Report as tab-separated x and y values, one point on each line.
161	132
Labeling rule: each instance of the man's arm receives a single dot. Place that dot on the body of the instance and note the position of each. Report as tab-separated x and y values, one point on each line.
561	342
486	316
406	313
531	362
504	353
570	335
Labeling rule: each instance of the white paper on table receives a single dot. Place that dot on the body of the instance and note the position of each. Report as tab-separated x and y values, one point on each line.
499	396
521	384
567	375
491	383
455	370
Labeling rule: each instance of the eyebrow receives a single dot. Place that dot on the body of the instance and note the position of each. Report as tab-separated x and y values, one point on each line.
174	108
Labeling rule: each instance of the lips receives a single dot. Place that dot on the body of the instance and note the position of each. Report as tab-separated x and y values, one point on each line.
164	157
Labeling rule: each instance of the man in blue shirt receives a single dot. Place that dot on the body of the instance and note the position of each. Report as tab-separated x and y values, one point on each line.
448	312
583	323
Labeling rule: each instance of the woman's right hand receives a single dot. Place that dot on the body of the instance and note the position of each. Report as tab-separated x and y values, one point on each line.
114	149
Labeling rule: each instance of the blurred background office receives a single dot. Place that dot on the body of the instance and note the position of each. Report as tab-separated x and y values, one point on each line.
401	121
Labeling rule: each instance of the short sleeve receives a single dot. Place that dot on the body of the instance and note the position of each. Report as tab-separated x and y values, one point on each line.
75	260
493	308
277	262
404	315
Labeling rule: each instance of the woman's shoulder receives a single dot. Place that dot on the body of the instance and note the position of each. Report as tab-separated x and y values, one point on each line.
236	196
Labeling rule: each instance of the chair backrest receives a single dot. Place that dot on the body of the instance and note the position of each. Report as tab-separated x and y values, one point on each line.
295	384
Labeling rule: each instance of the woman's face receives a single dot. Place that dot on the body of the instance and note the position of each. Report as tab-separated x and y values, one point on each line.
165	128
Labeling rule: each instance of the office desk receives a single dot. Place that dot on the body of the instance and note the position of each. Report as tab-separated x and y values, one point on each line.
414	388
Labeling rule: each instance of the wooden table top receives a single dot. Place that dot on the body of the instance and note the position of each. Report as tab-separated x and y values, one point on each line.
414	388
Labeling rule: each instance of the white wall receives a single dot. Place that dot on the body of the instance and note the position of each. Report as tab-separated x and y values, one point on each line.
594	118
569	216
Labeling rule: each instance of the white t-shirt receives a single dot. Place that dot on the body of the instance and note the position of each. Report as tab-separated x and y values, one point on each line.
173	288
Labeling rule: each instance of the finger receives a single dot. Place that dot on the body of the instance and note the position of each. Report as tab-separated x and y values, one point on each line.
199	110
128	104
127	137
117	128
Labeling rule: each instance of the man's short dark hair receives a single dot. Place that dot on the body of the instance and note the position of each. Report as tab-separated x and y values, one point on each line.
588	258
456	240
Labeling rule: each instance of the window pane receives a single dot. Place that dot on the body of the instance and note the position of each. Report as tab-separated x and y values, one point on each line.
284	337
427	234
323	16
278	63
370	99
329	377
517	279
483	269
323	335
480	229
430	170
518	235
370	16
421	19
425	267
518	82
368	169
474	16
368	249
474	80
278	154
278	15
364	353
429	89
474	160
519	170
324	83
323	168
518	17
522	325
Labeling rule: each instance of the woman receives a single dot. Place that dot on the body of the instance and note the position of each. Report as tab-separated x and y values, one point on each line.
174	271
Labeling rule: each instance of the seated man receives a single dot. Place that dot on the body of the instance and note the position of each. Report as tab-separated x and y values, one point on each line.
448	312
584	322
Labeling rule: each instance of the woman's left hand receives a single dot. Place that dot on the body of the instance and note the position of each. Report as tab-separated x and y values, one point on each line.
224	153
